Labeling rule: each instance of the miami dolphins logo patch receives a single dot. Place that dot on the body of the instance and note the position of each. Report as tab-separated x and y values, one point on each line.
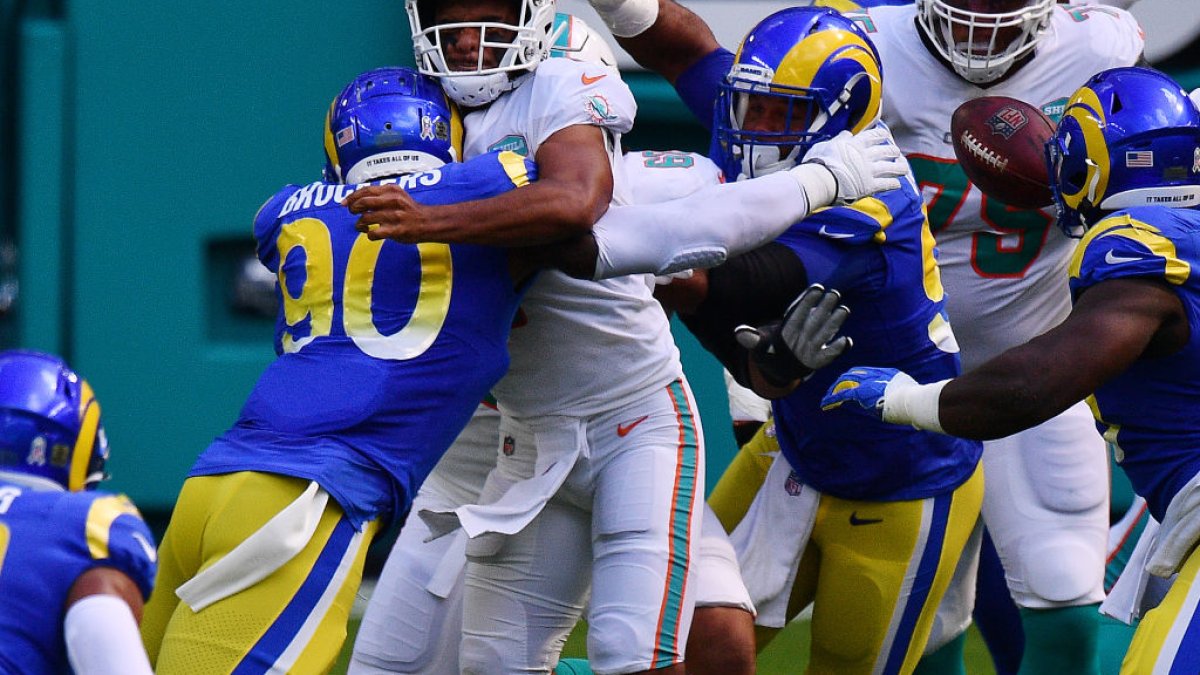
599	109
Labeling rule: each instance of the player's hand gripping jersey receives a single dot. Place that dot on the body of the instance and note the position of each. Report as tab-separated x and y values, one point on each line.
1006	268
1149	411
373	336
47	540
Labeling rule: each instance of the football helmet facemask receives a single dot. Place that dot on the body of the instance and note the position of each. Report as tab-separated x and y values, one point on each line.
982	39
387	122
50	428
806	74
1128	137
521	45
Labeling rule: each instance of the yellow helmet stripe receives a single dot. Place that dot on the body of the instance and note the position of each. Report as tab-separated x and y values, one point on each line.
89	414
1085	108
330	144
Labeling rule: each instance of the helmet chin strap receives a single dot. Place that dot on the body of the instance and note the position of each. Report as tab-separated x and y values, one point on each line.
473	91
761	160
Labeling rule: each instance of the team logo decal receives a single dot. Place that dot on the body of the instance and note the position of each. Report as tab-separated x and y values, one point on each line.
509	446
793	485
599	109
37	452
1007	122
511	143
1055	109
345	135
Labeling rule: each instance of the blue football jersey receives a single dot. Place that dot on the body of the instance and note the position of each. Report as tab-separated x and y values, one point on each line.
1150	412
385	349
47	540
897	320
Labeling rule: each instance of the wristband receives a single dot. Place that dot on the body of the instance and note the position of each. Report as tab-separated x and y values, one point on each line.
627	18
817	182
913	404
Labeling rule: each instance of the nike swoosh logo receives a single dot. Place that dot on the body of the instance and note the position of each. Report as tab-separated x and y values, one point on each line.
593	79
1115	259
833	235
624	429
855	520
147	548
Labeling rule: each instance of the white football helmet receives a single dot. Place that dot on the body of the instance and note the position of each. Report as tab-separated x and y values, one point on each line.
524	44
574	39
982	39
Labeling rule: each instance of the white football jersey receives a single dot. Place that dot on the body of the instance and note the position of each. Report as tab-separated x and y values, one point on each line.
1005	272
577	347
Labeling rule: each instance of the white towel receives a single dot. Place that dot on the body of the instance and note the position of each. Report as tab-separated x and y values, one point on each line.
1125	599
770	539
1178	533
260	554
559	445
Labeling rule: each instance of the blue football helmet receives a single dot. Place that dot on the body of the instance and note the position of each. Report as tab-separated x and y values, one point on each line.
1128	137
816	68
50	424
387	122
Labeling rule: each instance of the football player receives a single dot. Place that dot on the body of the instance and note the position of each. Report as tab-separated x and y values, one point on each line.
1125	167
1046	506
384	351
75	564
596	488
799	76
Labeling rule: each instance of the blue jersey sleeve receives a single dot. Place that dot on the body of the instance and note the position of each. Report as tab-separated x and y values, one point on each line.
1122	246
477	178
117	537
698	85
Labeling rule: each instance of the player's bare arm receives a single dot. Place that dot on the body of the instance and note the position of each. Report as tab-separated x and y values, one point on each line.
1113	324
107	581
573	191
676	40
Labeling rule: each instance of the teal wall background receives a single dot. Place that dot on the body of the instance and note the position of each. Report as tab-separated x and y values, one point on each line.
144	136
137	141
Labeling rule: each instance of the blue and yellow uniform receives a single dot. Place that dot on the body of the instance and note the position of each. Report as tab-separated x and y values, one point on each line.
1148	412
896	506
385	350
47	541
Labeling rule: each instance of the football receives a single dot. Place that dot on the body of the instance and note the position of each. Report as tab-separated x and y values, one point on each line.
999	142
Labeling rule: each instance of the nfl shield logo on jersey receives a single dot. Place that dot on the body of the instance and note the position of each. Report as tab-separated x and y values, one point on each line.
509	446
1006	122
793	485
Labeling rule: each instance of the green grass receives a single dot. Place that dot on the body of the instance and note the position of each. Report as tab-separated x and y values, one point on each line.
786	655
